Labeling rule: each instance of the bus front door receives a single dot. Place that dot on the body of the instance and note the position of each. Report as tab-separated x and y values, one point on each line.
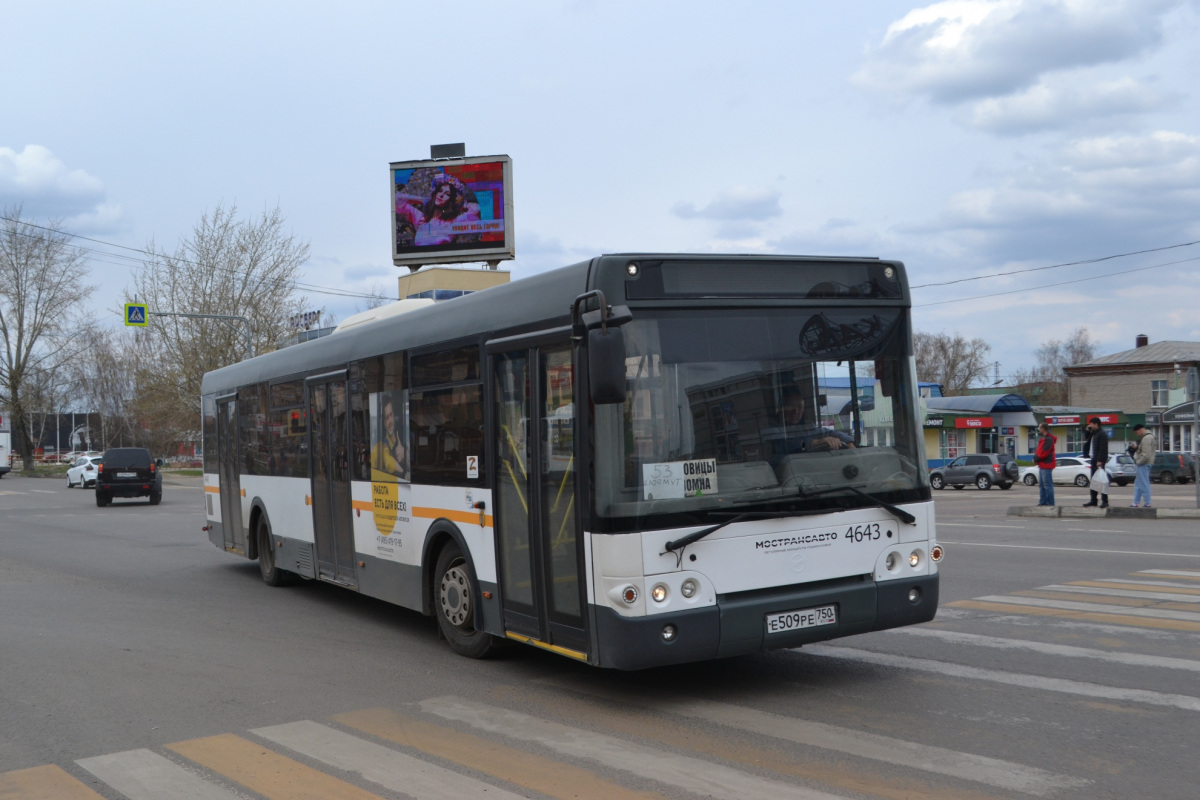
329	440
538	545
228	475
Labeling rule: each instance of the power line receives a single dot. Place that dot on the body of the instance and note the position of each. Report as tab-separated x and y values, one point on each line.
315	288
1057	266
1061	283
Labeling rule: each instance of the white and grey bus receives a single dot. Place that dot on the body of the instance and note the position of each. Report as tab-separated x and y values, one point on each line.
632	461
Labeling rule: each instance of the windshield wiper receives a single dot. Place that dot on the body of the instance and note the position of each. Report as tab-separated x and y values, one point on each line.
800	494
696	536
898	513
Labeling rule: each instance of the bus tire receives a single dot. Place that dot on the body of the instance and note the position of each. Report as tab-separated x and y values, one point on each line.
271	573
454	599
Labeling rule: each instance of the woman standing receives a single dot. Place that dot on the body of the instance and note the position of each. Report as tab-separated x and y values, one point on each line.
1044	458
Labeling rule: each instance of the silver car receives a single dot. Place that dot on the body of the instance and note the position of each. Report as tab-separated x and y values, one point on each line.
1121	469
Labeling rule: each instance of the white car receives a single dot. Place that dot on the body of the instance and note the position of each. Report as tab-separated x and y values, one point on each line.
83	471
1067	469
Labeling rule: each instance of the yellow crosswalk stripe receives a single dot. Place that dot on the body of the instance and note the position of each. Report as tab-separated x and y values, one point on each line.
1133	587
537	773
43	783
262	770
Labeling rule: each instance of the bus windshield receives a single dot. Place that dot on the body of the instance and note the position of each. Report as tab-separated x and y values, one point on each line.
734	407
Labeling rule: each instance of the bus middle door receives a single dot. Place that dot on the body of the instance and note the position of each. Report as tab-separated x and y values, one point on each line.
329	442
537	530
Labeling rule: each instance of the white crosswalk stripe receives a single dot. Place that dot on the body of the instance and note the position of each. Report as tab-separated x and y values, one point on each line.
389	768
691	774
145	775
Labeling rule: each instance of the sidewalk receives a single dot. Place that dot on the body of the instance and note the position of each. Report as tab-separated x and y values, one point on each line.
1121	511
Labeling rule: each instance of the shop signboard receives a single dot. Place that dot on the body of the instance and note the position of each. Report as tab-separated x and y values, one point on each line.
973	422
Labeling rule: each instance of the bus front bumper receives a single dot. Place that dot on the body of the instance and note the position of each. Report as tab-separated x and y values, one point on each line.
737	624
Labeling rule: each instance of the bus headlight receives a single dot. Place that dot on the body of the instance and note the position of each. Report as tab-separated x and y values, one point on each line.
668	633
689	587
914	558
629	594
659	592
937	553
892	560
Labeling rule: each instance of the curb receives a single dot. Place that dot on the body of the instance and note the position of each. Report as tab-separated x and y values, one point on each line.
1123	512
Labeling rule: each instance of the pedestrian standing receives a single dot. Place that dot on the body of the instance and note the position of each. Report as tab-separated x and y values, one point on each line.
1095	450
1044	457
1143	456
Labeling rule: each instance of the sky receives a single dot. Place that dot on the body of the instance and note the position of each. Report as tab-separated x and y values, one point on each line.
985	143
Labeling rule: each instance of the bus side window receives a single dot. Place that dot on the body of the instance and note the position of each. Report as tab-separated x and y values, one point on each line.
446	434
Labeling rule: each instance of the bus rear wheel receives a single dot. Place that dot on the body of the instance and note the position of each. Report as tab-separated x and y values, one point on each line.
455	596
272	575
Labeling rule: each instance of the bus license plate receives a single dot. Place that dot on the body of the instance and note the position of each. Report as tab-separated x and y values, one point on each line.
804	618
126	474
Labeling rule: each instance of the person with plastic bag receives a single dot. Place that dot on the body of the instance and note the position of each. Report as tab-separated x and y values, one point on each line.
1095	451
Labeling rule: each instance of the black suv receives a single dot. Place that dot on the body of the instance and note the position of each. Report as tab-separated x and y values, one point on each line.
981	469
1171	467
128	472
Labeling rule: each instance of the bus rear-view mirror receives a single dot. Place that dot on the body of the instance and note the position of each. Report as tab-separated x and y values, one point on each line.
606	365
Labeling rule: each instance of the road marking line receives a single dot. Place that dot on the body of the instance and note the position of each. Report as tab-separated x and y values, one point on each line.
389	768
145	775
1073	549
1180	701
1124	583
973	525
1069	651
684	772
537	773
42	491
272	775
47	782
1183	616
1109	619
1179	573
875	747
1112	591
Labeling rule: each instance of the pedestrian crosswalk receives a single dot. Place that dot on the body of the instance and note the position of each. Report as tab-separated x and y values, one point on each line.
587	740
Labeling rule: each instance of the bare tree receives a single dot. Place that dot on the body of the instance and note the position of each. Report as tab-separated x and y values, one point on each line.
245	268
952	361
1052	359
42	291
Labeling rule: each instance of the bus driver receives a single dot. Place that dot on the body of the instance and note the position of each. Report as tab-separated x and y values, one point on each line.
799	433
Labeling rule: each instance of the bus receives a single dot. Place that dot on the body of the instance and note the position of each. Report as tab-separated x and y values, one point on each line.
634	461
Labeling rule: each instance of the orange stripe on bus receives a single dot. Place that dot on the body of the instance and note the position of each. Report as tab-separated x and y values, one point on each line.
213	489
465	517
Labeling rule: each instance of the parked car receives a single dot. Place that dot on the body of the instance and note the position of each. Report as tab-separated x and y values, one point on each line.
1121	469
981	469
83	471
1172	467
1072	469
128	472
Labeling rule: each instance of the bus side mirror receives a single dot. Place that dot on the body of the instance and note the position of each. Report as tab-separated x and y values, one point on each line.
606	365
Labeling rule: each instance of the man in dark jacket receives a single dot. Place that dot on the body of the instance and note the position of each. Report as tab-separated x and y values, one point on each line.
1095	450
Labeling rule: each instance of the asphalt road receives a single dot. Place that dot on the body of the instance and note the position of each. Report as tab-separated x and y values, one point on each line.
136	660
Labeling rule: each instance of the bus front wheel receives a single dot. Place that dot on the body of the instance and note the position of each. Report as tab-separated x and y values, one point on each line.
455	596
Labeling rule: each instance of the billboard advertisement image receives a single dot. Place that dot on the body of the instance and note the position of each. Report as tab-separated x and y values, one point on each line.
452	210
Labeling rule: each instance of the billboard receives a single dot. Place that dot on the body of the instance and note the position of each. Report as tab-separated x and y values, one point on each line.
452	210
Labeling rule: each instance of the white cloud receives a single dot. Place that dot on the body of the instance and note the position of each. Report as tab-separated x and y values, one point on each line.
963	50
1057	103
739	203
45	187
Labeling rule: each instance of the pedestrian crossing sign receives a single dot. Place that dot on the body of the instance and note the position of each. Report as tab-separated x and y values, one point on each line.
137	314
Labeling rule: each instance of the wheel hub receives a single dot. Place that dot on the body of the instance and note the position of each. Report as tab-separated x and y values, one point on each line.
454	594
